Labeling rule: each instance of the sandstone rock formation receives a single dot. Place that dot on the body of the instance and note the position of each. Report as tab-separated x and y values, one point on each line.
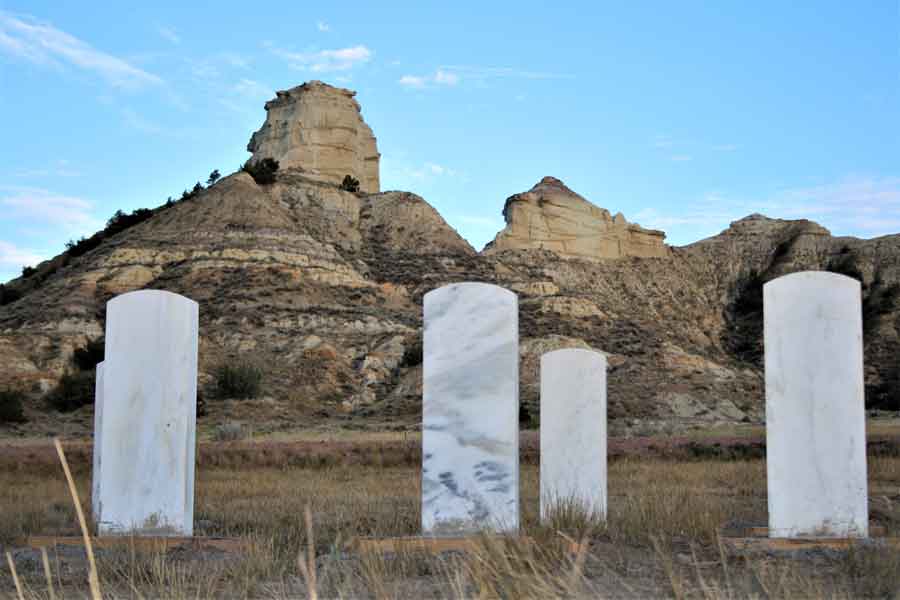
550	216
323	289
319	129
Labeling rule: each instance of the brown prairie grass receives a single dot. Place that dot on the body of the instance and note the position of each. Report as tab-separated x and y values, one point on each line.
661	539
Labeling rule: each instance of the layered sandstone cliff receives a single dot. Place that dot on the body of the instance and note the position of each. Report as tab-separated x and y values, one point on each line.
552	217
319	129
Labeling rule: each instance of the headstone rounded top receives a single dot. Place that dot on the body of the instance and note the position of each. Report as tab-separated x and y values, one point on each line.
470	286
563	352
813	276
156	294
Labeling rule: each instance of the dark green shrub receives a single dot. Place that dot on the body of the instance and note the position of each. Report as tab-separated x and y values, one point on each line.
241	381
11	409
28	271
73	391
88	357
350	184
262	171
8	295
412	354
213	177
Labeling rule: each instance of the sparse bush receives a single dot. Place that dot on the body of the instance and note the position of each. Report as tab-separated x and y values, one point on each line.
230	432
28	271
92	354
242	381
73	391
11	409
350	184
213	177
262	171
8	294
412	355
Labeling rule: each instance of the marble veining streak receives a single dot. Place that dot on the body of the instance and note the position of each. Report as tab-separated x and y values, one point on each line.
98	432
815	415
470	430
573	430
148	425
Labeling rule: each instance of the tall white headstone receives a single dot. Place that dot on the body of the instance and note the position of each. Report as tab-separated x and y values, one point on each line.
148	425
815	413
98	431
573	431
470	430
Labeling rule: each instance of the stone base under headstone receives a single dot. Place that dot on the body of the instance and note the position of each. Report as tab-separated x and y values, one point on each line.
756	540
146	543
437	545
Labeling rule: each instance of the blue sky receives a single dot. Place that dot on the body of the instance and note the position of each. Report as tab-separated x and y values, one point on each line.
682	115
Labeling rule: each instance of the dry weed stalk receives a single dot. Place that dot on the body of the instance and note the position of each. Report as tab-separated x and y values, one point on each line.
15	576
47	573
308	568
93	580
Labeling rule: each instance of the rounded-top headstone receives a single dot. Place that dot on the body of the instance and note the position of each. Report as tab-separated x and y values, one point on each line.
470	410
148	425
815	411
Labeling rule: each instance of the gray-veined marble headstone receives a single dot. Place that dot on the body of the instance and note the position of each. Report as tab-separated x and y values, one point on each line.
148	424
98	431
815	415
573	431
470	430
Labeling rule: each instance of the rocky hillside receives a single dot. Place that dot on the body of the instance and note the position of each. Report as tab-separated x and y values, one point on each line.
322	288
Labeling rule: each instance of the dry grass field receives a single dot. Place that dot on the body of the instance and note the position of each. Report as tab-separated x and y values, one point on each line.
661	539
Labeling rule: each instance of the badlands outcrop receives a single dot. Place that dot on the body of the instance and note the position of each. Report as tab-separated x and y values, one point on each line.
552	217
322	288
319	129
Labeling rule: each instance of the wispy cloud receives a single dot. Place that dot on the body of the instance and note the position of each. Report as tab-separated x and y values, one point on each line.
863	206
61	168
477	72
681	157
13	257
250	88
324	61
42	208
725	147
169	34
323	26
440	77
41	43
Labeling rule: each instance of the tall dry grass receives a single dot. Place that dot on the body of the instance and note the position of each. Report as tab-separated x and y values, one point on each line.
660	539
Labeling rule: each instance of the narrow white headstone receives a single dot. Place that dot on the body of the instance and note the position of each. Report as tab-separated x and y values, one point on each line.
470	429
148	426
573	431
98	431
815	413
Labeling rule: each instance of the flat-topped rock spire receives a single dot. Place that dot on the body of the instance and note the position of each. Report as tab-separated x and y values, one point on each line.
550	216
319	129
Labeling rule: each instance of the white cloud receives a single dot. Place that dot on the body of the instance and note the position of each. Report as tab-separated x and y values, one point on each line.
11	256
476	72
253	89
169	34
681	157
436	169
859	205
235	60
413	81
323	26
44	208
440	77
43	44
323	61
62	168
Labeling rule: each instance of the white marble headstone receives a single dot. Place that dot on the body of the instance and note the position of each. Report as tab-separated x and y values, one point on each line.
98	431
815	413
148	425
573	431
470	429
